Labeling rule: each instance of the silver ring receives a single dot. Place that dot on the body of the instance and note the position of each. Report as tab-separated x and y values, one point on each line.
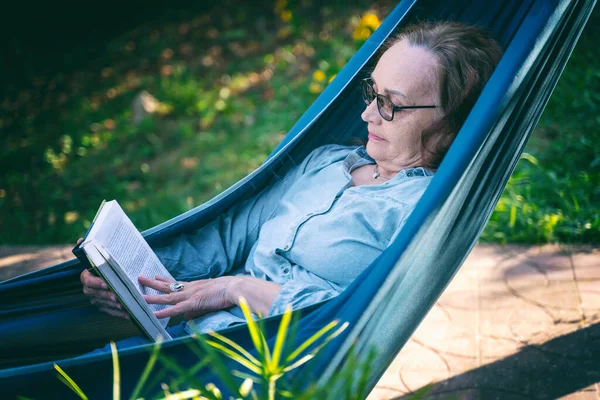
176	286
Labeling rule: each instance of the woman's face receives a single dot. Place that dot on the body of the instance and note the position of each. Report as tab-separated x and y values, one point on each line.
406	75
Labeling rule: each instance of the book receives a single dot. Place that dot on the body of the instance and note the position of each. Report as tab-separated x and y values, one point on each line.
118	252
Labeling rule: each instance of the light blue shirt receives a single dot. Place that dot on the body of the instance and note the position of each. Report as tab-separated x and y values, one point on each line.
313	232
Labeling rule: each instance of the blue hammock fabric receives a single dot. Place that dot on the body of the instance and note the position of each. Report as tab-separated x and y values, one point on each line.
44	316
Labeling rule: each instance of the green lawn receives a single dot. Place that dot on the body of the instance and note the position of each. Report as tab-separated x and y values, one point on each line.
230	85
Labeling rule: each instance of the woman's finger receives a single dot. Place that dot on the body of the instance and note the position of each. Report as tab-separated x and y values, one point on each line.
177	309
154	284
167	312
89	280
163	279
79	240
99	293
188	308
169	298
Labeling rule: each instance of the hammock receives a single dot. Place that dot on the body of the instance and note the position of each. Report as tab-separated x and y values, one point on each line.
44	316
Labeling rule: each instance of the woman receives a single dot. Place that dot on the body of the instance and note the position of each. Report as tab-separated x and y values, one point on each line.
308	236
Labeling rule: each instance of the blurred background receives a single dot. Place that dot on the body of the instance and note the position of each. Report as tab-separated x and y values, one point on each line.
162	105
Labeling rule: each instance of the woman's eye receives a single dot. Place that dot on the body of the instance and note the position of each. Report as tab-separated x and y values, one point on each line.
396	101
387	105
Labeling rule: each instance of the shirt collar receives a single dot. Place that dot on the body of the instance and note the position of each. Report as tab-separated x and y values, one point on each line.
360	157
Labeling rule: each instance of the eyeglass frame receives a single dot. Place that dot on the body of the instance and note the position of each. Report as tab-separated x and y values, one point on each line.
377	96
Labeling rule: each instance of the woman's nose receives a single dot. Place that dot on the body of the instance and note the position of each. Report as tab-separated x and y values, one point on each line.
371	114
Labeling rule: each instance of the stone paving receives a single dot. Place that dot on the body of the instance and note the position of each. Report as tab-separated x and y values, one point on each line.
18	260
516	322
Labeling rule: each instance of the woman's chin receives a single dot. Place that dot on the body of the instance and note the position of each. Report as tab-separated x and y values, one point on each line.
374	149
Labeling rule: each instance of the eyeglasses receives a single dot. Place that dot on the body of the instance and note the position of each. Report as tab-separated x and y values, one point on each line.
384	105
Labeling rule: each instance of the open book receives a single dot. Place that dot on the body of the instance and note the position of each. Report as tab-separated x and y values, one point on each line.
119	253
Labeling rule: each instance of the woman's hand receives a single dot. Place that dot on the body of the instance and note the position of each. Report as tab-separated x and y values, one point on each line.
204	296
195	299
97	291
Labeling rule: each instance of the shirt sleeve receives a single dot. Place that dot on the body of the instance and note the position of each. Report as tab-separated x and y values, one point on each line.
300	294
224	243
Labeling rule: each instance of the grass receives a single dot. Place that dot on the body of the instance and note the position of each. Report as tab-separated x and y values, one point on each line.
554	193
230	84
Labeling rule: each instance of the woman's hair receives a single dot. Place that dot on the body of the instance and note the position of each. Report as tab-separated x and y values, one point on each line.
466	57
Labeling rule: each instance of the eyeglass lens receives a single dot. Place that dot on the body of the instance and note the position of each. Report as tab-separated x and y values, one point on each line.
383	103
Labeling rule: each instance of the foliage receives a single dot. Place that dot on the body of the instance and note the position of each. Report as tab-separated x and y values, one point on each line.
554	193
266	373
230	81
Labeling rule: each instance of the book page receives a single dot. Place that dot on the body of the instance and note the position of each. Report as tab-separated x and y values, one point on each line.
129	297
126	245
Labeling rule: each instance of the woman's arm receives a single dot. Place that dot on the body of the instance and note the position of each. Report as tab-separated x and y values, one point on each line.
207	295
224	243
258	293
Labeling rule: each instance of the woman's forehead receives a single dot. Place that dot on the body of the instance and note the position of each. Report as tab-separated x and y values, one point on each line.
411	70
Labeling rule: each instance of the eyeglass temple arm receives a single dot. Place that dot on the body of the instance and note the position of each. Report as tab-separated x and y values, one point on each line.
405	107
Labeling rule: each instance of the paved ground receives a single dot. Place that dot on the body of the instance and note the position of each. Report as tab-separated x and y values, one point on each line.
17	260
515	323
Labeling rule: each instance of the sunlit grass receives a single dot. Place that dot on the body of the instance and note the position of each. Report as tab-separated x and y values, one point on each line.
228	88
554	193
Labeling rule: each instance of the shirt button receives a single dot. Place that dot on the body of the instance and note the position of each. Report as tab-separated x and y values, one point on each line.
286	270
286	247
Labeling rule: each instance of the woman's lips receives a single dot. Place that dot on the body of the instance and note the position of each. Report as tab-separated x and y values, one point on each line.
373	136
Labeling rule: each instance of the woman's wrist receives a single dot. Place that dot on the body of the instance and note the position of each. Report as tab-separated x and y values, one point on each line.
258	293
232	289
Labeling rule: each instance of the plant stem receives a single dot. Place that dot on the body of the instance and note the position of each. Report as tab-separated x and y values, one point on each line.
271	388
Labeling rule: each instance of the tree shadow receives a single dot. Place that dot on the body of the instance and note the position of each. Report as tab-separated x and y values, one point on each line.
554	369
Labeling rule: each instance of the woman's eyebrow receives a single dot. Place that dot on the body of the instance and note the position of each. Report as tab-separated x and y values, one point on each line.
396	92
391	91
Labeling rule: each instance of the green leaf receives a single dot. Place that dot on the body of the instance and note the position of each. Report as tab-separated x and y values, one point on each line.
363	380
236	346
235	356
281	334
419	394
147	370
246	387
255	333
66	379
513	216
181	372
328	339
214	390
243	375
217	365
530	158
187	394
313	339
299	362
286	393
116	372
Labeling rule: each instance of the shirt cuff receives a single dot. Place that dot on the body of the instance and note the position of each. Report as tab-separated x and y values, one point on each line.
298	295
